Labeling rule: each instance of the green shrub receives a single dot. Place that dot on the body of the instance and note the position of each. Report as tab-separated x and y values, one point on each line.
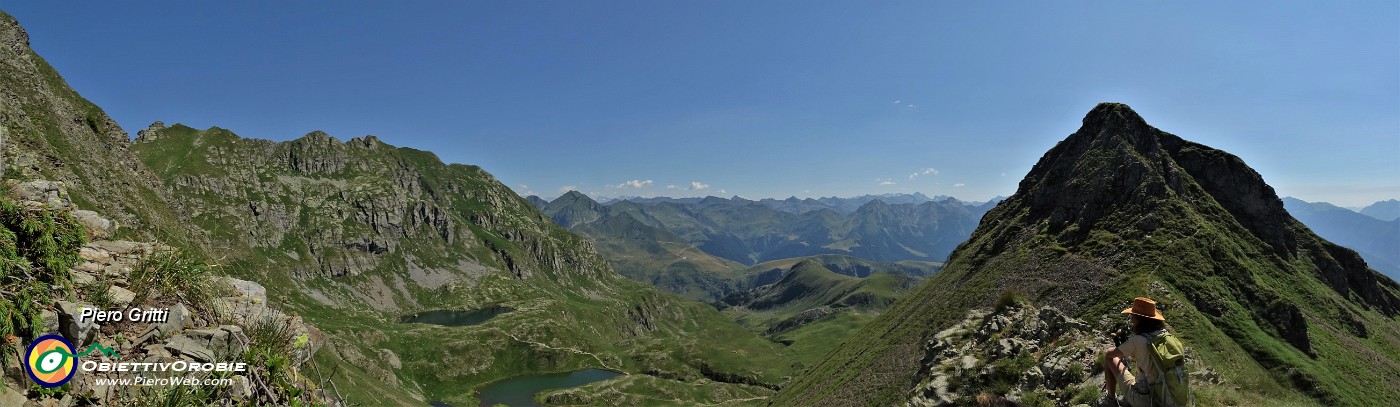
37	247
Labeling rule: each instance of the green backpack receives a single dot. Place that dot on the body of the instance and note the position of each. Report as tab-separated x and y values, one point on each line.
1172	387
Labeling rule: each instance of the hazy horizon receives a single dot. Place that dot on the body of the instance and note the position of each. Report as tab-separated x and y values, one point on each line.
758	100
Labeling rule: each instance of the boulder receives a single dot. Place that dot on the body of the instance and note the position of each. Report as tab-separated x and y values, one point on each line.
81	278
178	319
98	227
93	254
11	397
187	346
214	339
968	362
121	297
71	327
242	388
247	289
122	247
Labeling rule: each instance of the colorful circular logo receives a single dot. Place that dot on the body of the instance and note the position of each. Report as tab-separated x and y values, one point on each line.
50	361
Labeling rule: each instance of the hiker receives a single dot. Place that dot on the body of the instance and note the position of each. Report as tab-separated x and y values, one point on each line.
1158	356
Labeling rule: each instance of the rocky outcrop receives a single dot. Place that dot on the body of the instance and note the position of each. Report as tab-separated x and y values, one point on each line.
1020	348
193	329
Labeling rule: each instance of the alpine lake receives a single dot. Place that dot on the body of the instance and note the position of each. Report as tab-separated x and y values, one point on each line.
516	391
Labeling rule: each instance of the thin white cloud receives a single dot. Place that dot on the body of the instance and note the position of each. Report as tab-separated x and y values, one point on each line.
698	186
523	186
722	192
567	188
885	181
672	186
923	171
636	183
959	185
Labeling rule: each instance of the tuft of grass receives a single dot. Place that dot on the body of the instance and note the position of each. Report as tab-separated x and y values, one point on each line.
99	293
172	274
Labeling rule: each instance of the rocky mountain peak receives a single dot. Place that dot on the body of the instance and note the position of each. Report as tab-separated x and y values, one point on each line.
368	141
319	137
1120	209
574	196
1114	116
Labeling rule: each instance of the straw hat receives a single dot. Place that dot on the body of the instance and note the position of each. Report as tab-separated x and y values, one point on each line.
1145	307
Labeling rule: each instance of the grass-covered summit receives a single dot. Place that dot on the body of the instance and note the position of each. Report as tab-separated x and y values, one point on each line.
1120	209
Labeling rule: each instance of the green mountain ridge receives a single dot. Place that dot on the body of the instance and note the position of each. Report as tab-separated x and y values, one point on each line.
1120	209
808	284
363	228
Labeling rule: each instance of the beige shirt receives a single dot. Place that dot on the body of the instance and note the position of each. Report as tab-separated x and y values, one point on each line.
1139	349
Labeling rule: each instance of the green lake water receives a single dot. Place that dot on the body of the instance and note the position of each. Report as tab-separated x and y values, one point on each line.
456	318
520	391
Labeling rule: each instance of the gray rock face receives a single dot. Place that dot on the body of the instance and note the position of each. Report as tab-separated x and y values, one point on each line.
328	208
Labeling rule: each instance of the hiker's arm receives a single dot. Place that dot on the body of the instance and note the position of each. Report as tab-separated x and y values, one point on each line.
1114	354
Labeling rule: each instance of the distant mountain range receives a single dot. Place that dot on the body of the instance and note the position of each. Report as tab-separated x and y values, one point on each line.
877	227
1383	210
694	246
1378	241
799	206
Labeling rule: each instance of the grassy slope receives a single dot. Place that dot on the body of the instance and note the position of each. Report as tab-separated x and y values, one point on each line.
563	320
809	285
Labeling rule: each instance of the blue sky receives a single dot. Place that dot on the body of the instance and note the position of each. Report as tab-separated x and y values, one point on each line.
760	100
